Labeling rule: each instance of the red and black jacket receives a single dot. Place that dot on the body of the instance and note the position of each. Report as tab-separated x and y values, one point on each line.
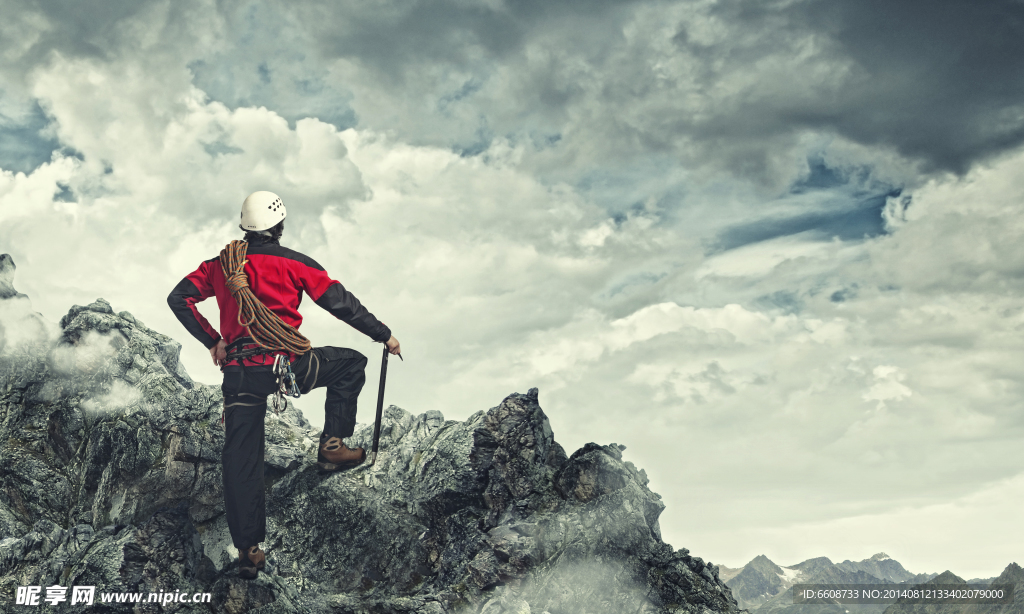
277	276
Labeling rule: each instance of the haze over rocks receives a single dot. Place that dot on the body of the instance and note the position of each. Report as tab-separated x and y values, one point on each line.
110	476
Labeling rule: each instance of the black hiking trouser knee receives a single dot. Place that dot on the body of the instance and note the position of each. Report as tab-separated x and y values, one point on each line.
245	389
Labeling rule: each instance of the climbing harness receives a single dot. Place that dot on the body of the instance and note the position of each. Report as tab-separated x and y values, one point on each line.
286	385
286	382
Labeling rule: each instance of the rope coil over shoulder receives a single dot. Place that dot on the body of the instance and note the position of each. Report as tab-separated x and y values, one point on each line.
265	327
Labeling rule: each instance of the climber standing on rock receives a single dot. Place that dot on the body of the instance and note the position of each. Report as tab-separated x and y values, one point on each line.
258	285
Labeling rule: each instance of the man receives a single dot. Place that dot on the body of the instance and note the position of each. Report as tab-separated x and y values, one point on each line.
276	277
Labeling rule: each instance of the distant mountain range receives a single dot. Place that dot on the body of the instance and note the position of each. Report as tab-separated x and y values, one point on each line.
1013	574
766	587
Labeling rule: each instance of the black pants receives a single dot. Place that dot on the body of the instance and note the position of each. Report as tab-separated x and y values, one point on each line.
245	390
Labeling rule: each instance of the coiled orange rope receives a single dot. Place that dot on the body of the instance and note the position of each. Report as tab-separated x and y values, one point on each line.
266	328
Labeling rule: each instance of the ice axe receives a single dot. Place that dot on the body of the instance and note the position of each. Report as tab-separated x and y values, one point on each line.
380	404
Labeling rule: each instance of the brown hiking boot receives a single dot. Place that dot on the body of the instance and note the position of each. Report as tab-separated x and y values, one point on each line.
334	455
250	562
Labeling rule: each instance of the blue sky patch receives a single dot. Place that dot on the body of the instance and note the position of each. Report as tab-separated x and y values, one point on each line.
23	144
854	220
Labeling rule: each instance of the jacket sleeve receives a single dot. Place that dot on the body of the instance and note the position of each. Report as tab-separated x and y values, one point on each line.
196	287
342	304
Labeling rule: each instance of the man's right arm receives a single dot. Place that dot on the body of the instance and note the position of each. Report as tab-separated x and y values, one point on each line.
196	287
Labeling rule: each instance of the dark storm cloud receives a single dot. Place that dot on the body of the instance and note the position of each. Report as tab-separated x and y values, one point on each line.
87	28
264	58
940	81
951	73
390	35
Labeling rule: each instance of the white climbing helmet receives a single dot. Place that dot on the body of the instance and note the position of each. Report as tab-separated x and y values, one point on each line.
262	210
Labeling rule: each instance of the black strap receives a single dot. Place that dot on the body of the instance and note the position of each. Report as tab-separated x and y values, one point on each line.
237	343
234	351
240	354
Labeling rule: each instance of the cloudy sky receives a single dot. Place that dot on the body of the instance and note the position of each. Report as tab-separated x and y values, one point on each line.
774	248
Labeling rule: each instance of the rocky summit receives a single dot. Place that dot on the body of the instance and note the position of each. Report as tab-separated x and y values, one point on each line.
110	477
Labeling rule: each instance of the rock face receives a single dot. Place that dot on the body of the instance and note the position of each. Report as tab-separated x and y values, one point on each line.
757	582
18	323
110	477
7	277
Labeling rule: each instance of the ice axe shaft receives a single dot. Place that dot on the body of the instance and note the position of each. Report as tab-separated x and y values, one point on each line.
380	406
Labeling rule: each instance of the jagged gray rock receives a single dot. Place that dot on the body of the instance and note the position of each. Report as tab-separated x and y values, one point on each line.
110	476
19	324
7	277
757	582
